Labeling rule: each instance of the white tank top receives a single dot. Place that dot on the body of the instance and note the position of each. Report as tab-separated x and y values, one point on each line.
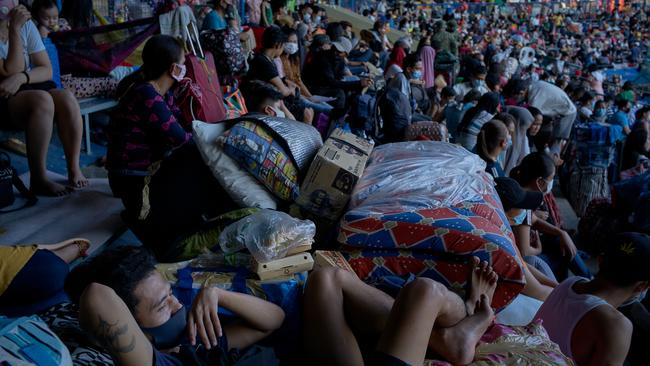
562	311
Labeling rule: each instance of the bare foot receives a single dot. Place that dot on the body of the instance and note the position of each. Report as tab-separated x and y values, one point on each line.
483	281
76	179
69	250
48	188
460	340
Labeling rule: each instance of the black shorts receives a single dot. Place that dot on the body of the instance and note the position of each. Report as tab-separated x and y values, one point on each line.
4	102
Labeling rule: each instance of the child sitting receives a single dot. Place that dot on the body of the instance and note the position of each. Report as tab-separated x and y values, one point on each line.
46	15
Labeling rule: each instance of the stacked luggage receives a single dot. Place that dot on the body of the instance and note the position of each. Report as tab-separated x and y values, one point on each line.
424	209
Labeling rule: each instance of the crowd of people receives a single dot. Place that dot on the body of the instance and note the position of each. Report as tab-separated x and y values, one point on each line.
510	88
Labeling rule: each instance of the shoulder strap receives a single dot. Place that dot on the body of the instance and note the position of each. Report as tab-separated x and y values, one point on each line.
20	186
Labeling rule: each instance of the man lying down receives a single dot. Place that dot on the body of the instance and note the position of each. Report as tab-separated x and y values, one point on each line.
129	309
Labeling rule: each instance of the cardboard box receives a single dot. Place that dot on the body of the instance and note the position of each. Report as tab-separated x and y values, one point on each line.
299	249
327	258
333	174
283	267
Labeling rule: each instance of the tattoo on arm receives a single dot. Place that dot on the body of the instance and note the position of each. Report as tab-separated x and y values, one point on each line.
109	335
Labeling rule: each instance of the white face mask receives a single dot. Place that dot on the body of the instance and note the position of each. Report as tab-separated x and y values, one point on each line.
181	74
291	48
278	112
549	187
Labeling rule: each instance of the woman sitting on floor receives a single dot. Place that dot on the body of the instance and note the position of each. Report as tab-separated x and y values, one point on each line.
127	306
31	101
153	164
32	276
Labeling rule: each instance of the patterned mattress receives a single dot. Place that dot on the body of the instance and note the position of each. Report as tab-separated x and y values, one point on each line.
425	208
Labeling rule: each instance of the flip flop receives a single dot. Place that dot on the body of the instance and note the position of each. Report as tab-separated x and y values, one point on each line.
83	244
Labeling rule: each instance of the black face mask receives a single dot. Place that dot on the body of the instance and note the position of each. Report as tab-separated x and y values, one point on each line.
171	333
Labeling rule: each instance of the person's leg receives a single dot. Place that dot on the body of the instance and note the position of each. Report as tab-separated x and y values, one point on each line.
339	307
37	286
562	132
578	267
68	117
33	110
336	305
68	250
317	107
105	316
409	326
541	265
408	333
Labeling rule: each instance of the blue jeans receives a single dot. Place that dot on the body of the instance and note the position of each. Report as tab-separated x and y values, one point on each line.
540	265
37	287
359	56
561	266
317	107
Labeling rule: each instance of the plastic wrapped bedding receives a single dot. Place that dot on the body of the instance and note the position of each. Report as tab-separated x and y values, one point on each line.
420	175
430	198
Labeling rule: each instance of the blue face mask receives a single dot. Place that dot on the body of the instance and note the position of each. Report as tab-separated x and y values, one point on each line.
417	75
169	334
519	219
598	113
508	142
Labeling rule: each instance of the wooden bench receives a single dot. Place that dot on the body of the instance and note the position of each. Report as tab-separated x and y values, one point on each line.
89	106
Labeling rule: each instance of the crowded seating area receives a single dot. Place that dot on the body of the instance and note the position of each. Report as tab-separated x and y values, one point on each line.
299	182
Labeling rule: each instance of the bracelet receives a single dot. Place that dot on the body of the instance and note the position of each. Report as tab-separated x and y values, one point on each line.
27	76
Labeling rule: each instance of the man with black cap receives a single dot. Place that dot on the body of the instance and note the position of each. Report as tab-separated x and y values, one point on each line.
581	316
518	205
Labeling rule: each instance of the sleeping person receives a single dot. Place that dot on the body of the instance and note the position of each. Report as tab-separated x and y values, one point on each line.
128	308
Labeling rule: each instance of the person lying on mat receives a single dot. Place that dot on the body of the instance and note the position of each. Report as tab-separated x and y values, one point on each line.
32	276
518	205
29	99
342	313
581	316
153	165
129	309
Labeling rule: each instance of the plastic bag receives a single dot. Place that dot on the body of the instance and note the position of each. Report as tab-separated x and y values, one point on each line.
417	175
267	234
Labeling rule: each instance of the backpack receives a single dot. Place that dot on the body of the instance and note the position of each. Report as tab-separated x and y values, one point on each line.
445	61
8	180
225	45
365	114
28	341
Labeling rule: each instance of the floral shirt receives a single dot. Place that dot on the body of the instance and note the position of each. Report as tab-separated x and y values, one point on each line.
143	129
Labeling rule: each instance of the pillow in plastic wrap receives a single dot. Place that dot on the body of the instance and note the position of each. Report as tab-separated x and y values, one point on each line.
254	148
241	186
